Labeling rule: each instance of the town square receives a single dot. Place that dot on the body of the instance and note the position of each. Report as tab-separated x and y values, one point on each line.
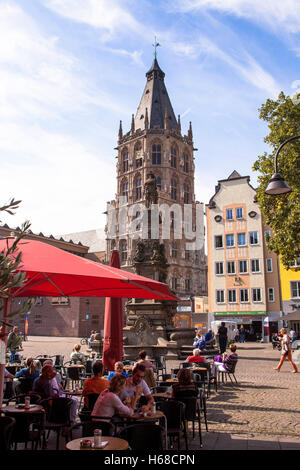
149	227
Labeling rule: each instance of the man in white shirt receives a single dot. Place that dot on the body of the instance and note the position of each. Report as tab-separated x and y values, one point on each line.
137	383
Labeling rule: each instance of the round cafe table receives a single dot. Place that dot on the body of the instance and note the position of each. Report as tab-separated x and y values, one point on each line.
114	443
18	409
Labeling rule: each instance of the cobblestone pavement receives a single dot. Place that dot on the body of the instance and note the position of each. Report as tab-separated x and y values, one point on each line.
261	411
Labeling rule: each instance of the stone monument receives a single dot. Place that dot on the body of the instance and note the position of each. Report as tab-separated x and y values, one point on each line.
150	323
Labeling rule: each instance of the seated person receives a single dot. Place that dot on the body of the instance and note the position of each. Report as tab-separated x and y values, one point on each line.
144	361
27	375
185	386
94	384
199	341
210	338
57	387
91	338
196	357
119	369
137	385
43	384
76	355
109	402
30	371
228	363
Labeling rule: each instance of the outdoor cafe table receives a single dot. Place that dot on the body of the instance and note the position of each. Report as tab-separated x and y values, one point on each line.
114	443
161	395
13	367
20	409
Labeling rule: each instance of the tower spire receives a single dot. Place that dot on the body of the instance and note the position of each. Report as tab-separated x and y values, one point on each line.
132	124
120	131
179	125
190	132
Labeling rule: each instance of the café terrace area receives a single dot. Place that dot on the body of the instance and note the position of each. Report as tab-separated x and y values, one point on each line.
259	411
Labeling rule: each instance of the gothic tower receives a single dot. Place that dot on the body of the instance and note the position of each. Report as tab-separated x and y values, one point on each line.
155	145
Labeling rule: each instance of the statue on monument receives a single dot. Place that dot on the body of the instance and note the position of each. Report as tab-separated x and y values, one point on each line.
151	194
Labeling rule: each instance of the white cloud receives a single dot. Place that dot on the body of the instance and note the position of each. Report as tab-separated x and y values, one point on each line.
272	13
53	177
238	59
105	15
38	79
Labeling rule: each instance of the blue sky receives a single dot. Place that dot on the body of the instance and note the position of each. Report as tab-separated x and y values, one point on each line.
70	70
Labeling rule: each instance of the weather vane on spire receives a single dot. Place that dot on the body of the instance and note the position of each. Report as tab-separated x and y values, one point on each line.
155	45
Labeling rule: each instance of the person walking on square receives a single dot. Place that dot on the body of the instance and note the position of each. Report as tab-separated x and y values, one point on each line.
242	334
222	332
286	351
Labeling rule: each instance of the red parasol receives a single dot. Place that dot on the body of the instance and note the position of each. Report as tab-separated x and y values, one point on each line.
113	325
54	272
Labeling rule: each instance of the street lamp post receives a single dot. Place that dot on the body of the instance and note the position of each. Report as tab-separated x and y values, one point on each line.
277	184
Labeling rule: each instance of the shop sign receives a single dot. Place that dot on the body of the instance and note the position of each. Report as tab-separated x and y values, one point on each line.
235	314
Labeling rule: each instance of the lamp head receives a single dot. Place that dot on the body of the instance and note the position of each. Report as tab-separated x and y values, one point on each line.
277	185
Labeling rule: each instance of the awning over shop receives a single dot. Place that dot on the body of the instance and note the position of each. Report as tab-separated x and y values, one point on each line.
293	316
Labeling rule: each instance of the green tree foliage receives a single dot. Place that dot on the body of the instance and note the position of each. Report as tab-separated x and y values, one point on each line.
11	261
281	213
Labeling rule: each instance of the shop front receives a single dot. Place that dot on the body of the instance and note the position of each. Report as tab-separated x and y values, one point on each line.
253	323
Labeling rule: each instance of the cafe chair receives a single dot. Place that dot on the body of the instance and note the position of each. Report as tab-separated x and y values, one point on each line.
89	368
58	361
89	426
174	373
73	374
161	366
7	424
161	389
192	413
143	436
174	412
29	427
58	417
92	398
226	374
164	377
185	364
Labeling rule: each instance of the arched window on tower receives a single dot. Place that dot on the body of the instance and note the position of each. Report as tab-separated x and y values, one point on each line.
156	154
186	163
138	188
158	183
125	158
186	193
138	155
173	157
173	189
174	250
123	250
124	189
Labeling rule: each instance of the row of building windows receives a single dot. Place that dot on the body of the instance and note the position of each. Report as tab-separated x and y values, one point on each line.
256	295
174	189
239	213
156	157
241	239
242	266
